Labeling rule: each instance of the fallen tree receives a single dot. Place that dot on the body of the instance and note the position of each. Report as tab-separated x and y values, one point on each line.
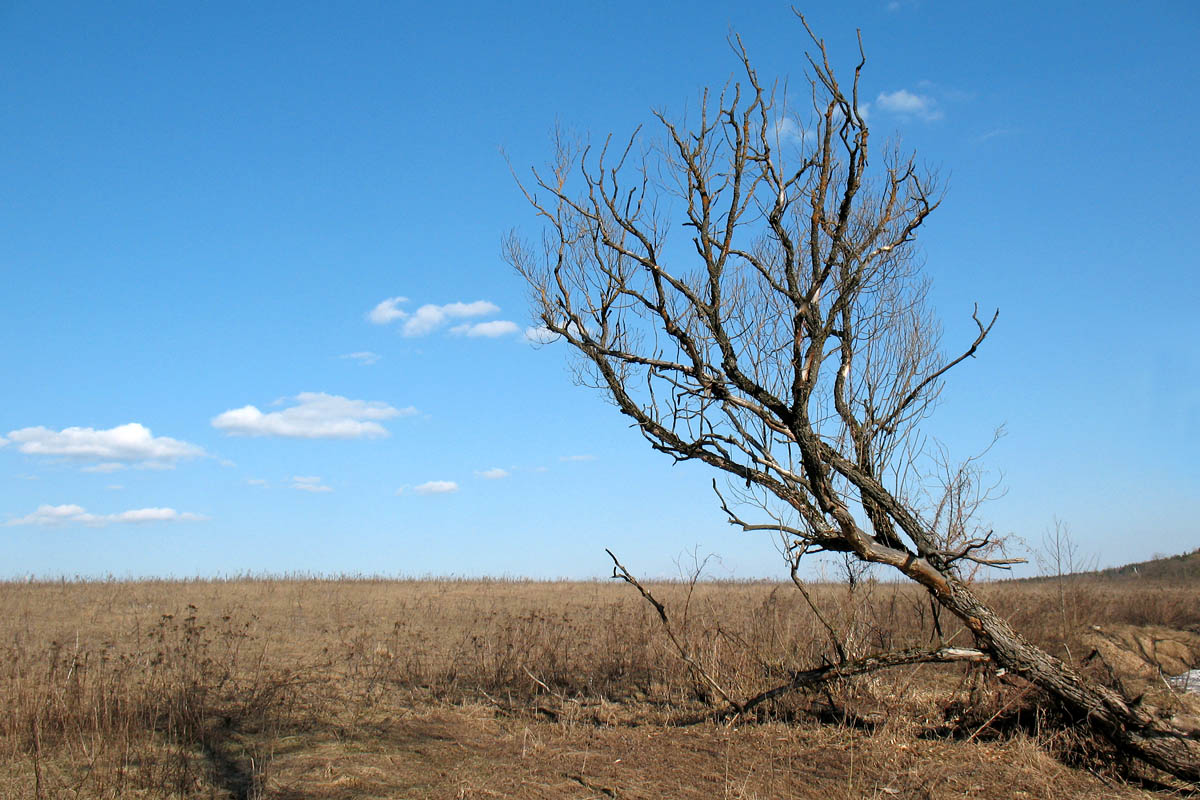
796	353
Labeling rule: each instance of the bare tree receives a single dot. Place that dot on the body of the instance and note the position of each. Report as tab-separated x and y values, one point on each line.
1059	558
788	343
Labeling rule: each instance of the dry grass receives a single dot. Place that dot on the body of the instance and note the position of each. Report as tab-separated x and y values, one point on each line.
365	688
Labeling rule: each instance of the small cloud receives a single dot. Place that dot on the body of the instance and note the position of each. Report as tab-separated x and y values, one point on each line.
909	104
28	477
155	515
540	335
105	467
256	482
364	358
792	131
3	441
309	484
436	487
493	474
429	317
578	458
114	487
54	515
47	515
992	134
387	312
315	415
227	463
128	443
786	130
491	330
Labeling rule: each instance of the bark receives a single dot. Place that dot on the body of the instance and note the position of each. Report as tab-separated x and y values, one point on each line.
1130	728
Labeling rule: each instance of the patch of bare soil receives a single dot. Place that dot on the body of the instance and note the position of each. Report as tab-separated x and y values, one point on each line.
479	751
1139	658
1145	652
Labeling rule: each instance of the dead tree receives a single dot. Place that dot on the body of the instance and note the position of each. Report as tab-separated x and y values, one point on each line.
787	342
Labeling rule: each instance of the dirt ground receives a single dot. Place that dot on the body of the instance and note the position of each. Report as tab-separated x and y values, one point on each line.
474	751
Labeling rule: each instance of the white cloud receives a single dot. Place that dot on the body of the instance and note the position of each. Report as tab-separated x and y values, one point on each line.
3	441
386	311
256	482
47	515
114	487
901	101
309	484
52	515
128	443
154	515
365	358
578	458
493	329
493	474
908	104
787	130
540	335
436	487
105	467
424	321
316	415
429	317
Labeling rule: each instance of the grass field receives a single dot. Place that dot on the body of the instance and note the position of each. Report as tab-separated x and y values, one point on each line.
305	688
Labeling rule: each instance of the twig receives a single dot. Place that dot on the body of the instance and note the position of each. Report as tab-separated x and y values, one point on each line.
534	678
999	711
834	637
698	671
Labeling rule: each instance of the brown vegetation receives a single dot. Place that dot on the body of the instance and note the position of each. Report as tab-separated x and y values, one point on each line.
371	688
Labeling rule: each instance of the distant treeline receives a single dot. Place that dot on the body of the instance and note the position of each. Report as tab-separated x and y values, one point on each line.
1183	567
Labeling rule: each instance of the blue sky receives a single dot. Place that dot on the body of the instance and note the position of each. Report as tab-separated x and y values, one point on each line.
203	204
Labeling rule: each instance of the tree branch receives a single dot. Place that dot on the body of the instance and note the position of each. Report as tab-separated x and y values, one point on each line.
697	671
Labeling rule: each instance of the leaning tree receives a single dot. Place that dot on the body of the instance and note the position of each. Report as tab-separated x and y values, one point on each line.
788	343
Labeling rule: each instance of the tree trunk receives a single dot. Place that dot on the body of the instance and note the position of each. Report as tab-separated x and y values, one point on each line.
1129	728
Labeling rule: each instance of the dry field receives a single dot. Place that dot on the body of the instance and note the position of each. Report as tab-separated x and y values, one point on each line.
304	689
